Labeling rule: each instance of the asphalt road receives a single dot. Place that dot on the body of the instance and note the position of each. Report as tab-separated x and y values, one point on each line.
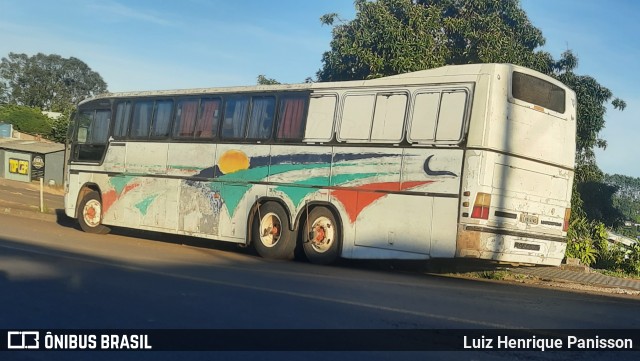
54	276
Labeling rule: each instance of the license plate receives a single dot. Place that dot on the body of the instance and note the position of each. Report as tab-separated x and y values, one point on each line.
529	219
527	246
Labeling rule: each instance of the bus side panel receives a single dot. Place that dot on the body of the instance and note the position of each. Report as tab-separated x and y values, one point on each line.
362	179
409	204
199	204
146	158
238	168
191	160
71	195
301	174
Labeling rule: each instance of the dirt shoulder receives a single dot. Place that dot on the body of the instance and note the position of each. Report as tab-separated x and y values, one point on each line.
508	276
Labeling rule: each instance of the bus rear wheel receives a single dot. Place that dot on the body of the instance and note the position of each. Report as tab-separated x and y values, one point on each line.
271	235
90	217
321	243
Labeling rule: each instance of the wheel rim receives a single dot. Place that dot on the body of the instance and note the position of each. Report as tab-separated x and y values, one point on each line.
92	213
322	234
270	229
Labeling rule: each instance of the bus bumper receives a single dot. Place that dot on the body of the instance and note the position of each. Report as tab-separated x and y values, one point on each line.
512	247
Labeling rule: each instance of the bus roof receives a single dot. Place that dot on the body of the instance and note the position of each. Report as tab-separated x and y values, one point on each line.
416	77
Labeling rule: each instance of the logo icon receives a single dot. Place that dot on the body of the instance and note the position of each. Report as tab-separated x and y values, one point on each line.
23	340
436	173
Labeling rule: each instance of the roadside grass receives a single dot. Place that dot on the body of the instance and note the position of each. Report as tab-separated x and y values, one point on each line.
496	275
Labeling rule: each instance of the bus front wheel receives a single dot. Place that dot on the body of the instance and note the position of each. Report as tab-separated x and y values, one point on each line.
271	235
90	217
321	242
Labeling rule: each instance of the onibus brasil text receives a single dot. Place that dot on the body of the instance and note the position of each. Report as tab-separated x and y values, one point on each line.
52	341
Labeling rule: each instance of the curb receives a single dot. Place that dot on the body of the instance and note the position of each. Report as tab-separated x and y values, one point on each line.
52	217
581	277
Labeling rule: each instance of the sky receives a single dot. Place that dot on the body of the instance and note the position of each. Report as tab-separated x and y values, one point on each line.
174	44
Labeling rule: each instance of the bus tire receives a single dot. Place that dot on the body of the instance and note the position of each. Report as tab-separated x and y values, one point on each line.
321	237
90	214
271	236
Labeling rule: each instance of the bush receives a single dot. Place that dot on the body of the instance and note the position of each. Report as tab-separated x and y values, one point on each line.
632	262
580	243
25	119
612	258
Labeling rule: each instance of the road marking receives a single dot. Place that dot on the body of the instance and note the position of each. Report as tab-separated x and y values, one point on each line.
274	291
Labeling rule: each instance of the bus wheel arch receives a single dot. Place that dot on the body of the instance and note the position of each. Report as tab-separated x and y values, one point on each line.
321	233
90	210
271	233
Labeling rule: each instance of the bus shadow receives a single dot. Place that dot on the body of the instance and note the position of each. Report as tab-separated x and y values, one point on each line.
67	222
433	266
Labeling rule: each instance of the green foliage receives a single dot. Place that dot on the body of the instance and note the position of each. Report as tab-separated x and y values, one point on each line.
490	31
388	37
263	80
25	119
620	259
3	93
632	263
494	275
60	128
611	258
48	82
586	240
598	203
627	198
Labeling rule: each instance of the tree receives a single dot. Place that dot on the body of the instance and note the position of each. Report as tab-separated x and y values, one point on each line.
3	93
60	127
600	205
48	82
263	80
386	37
389	37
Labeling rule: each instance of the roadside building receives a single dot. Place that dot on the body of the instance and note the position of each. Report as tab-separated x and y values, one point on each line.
28	160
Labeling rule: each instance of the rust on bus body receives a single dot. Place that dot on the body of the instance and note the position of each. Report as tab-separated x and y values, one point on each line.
468	243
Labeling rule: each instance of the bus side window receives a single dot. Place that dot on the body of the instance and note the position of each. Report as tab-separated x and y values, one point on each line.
357	116
185	118
208	118
121	124
322	110
388	118
92	135
141	124
291	119
425	117
261	119
236	111
162	118
451	117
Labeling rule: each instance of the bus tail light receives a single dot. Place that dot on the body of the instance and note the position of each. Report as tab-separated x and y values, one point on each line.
567	215
481	206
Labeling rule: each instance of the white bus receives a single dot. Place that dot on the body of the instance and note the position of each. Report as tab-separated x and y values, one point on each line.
469	161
